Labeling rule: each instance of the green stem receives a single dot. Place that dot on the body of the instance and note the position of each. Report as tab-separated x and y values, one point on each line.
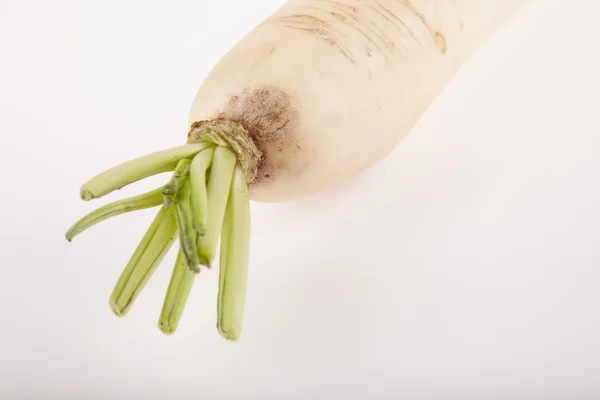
143	201
138	168
219	184
235	250
179	176
187	234
200	165
177	295
151	250
197	209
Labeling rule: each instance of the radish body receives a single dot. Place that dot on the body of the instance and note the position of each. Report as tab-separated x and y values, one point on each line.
327	88
318	92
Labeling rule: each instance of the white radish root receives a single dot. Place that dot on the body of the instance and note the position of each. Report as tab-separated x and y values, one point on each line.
318	92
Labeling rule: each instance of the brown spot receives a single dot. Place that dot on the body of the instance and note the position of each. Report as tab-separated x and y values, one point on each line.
338	15
269	116
440	39
233	99
273	49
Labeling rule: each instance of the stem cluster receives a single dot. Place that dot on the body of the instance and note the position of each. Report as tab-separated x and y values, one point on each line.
205	199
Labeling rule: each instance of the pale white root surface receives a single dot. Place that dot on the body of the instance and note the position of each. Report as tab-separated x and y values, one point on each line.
357	75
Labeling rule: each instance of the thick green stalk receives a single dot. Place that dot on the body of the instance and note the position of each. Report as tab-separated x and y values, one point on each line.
179	176
235	250
187	234
143	201
138	168
219	184
200	165
151	250
179	289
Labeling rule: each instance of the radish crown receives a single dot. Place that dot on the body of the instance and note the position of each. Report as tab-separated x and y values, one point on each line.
206	198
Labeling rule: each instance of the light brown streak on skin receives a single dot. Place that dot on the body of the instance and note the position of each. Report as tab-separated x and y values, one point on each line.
342	49
339	5
303	20
392	46
346	12
339	16
441	41
349	12
324	36
321	31
354	16
395	17
356	26
314	31
383	38
441	44
349	18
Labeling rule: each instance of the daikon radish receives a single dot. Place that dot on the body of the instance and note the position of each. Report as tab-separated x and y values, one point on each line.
318	92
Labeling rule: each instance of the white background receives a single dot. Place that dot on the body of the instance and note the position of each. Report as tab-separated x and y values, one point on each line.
466	265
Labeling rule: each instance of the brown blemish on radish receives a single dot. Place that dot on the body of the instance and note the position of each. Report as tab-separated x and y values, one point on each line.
269	116
318	28
325	19
351	19
337	15
386	16
441	42
399	22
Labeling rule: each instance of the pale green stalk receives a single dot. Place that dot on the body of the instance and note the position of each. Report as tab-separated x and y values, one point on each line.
179	176
197	209
143	201
187	234
200	165
219	184
233	269
179	289
138	168
151	250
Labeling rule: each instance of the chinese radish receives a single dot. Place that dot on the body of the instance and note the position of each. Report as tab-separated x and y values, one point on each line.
318	92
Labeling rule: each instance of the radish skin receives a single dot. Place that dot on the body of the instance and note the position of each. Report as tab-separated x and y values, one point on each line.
315	94
328	88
